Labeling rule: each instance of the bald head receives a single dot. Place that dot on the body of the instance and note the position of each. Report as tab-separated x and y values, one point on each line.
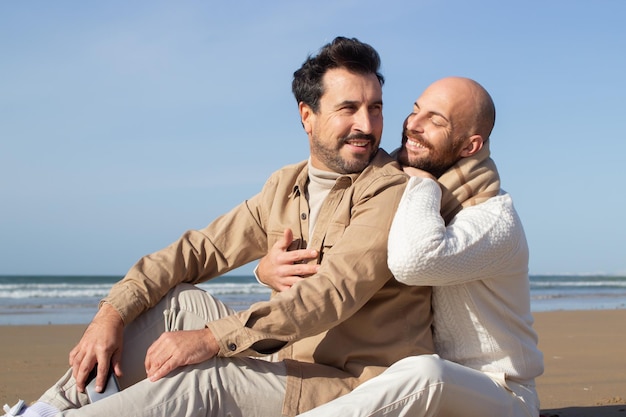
451	120
469	102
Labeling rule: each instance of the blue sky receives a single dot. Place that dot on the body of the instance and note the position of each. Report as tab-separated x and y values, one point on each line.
123	124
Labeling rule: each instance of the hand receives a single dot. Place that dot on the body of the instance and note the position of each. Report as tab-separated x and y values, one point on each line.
174	349
280	268
414	172
102	344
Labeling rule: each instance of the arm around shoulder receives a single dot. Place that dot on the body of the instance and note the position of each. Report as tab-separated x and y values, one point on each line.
475	245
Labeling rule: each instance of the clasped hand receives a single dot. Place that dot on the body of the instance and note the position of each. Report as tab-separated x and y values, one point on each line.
175	349
281	268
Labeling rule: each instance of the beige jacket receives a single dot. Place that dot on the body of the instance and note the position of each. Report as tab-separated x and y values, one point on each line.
337	328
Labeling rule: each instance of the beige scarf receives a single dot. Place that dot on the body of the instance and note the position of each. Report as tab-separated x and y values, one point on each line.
470	181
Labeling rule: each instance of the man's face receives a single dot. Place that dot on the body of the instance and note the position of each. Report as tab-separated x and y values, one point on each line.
345	133
433	133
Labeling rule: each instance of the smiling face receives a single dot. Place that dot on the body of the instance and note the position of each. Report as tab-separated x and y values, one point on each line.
437	132
344	135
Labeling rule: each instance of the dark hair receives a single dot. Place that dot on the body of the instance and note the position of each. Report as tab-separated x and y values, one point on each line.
351	54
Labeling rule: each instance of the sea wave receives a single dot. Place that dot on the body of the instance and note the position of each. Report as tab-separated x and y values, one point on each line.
579	284
80	288
591	282
74	299
53	291
101	290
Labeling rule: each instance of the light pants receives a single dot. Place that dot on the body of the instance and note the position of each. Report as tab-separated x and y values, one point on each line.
427	385
235	387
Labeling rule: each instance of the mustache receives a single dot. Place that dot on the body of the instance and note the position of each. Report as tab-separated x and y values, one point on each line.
363	136
416	138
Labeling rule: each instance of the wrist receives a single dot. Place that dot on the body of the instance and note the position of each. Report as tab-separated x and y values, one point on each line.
108	313
256	275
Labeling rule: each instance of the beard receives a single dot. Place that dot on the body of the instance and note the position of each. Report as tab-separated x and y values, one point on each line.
435	162
331	156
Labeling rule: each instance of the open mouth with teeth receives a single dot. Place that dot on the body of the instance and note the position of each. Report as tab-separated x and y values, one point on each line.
415	144
358	145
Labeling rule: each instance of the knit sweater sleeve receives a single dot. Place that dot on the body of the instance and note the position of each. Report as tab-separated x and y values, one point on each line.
475	245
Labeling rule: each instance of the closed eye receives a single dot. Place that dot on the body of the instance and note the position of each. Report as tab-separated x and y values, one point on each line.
437	121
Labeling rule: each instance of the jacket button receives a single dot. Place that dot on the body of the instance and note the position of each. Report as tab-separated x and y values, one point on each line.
303	216
232	347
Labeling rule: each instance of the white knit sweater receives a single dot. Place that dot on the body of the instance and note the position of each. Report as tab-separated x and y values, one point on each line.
478	266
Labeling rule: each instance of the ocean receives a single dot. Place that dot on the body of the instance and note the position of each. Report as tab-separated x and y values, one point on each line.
38	299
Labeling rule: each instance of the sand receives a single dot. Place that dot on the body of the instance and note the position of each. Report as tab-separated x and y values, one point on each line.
585	358
585	363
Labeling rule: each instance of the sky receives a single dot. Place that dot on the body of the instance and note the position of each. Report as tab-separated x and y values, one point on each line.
123	124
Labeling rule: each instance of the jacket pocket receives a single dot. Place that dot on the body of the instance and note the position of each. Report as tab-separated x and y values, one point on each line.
333	234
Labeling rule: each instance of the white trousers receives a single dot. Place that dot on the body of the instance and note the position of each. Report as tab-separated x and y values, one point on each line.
428	386
234	387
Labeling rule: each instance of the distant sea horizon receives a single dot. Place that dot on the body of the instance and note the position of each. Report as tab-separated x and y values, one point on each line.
73	299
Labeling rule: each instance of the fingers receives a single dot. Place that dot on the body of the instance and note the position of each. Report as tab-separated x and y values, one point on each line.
159	359
101	376
285	256
101	342
174	349
158	368
296	270
116	363
283	244
83	359
287	238
296	256
281	267
81	368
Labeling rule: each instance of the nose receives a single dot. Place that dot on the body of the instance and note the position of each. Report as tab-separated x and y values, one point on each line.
364	121
414	122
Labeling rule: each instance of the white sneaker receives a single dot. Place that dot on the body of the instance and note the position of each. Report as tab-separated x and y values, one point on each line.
15	410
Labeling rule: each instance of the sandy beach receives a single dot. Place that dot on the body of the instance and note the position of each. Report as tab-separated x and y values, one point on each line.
585	358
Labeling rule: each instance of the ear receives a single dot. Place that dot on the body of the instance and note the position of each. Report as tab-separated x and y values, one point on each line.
472	146
306	115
